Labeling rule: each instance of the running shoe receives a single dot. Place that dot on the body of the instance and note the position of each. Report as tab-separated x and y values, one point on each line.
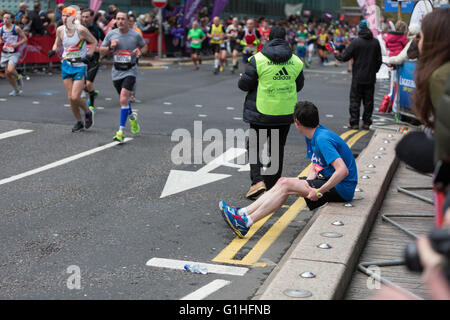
119	136
89	120
233	68
234	220
20	82
307	64
15	92
221	69
92	108
196	68
216	70
78	127
135	128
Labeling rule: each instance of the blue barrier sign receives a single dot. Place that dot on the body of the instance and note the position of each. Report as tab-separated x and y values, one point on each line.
392	6
406	85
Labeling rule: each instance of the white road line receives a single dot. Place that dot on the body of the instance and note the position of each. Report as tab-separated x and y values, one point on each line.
230	108
14	133
198	106
237	118
212	268
168	103
205	291
202	115
36	102
61	162
3	99
168	112
329	116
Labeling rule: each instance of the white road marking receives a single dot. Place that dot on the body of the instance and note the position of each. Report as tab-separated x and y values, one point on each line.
3	99
36	102
61	162
198	105
329	116
67	105
108	99
168	103
230	108
14	133
168	112
202	115
207	290
237	118
212	268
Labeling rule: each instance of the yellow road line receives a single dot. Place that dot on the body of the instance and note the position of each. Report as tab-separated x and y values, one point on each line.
251	259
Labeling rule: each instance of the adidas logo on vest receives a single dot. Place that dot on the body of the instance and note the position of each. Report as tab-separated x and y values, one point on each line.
282	75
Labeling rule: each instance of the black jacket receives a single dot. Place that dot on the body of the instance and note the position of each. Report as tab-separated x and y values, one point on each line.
277	50
366	54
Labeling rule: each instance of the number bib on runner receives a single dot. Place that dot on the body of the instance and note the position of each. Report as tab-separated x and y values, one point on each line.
195	41
7	47
122	56
73	53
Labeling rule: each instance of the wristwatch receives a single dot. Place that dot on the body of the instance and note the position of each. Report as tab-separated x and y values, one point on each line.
318	194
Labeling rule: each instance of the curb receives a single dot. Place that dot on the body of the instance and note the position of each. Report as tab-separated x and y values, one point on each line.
333	268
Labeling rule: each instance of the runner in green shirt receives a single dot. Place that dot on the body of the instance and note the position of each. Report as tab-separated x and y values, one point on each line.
196	37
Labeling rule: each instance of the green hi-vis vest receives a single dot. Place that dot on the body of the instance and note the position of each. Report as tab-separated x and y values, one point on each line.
277	90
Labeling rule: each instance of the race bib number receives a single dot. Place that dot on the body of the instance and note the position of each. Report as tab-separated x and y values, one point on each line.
216	38
122	56
195	41
317	168
73	52
250	49
8	47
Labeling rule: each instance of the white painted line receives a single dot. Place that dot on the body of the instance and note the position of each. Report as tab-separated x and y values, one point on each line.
212	268
3	99
202	115
230	108
108	99
198	105
67	105
61	162
36	102
14	133
168	112
101	108
168	103
329	116
205	291
237	118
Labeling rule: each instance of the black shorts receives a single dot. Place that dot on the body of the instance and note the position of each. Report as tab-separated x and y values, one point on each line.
329	196
126	83
319	47
235	46
92	70
196	51
217	47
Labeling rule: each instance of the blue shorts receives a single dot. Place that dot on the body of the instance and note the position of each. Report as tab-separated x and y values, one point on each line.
301	52
76	73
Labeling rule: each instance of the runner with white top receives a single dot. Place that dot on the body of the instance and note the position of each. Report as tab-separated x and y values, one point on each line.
127	46
76	56
9	36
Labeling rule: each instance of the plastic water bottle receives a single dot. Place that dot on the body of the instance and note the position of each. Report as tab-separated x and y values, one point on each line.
196	268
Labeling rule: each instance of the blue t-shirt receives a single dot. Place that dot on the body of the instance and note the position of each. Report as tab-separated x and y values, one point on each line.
325	147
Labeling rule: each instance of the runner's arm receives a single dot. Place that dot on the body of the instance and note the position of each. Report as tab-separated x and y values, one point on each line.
87	35
340	173
58	41
312	173
22	36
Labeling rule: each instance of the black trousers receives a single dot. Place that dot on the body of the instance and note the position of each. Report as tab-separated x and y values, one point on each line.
365	93
255	147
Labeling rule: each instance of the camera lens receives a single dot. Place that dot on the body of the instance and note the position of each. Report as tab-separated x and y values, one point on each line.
412	258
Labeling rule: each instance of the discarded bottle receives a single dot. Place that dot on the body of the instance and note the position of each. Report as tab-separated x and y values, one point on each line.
196	268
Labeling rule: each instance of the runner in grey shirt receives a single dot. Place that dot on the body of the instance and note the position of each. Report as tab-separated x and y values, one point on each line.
127	46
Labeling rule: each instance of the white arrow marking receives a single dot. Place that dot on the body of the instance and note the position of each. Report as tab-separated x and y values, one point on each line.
179	180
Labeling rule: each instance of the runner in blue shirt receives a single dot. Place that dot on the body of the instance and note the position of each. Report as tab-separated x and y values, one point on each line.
332	176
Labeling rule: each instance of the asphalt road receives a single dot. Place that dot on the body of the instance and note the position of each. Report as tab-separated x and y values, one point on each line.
100	211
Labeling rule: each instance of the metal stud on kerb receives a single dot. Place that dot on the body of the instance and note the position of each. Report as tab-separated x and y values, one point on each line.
371	166
365	177
358	190
324	246
307	275
382	149
331	234
297	293
337	223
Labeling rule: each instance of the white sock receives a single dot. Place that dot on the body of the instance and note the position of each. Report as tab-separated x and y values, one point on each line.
242	212
216	63
122	128
249	222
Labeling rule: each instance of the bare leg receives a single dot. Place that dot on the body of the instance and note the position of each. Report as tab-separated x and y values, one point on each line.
274	199
11	75
77	87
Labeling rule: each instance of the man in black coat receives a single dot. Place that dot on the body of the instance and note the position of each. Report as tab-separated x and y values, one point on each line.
366	53
279	53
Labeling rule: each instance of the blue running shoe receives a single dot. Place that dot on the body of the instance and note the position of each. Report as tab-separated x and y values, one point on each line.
234	220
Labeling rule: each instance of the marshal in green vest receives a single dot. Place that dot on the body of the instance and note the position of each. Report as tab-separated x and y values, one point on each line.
277	90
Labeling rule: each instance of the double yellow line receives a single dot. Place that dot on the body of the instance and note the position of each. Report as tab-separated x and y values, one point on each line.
251	259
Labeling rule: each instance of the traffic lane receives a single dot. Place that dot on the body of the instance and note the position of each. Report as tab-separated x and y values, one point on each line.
105	210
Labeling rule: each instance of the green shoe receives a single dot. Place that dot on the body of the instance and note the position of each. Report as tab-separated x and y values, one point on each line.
135	128
119	136
92	109
97	92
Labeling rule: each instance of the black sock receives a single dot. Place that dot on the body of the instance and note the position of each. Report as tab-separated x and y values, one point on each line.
92	97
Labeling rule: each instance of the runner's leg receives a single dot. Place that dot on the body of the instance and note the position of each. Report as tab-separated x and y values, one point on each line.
11	75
